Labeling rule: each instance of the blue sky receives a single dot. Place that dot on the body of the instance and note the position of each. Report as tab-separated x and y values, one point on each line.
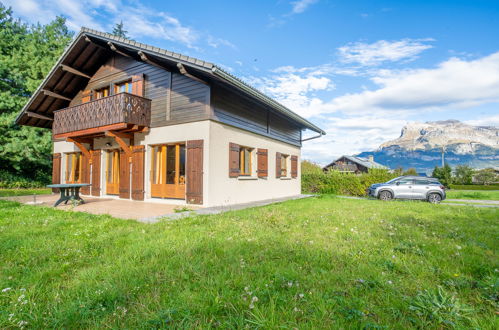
359	69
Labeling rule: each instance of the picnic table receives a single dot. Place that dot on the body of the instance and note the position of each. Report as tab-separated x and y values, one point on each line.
69	191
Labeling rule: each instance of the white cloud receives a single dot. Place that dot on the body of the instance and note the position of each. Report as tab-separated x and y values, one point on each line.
351	135
300	6
295	87
382	51
361	121
454	83
139	20
484	121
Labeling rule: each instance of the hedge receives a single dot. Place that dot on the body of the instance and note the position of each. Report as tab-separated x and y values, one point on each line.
475	187
334	182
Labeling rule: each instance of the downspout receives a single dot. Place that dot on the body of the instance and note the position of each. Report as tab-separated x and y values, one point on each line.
313	137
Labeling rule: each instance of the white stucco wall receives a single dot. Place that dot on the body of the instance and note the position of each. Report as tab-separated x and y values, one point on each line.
218	188
199	130
224	190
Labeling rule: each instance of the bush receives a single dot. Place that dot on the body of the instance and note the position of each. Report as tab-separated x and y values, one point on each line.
474	187
10	181
334	182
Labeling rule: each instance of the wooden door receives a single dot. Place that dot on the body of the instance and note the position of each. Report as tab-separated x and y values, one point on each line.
56	170
124	184
194	193
168	171
138	173
113	172
96	154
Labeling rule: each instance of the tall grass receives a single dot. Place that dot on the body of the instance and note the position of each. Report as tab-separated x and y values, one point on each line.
321	262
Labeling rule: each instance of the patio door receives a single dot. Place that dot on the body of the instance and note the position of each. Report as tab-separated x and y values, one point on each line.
168	171
113	172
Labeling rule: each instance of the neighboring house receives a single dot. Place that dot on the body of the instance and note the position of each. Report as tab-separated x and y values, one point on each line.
139	122
353	164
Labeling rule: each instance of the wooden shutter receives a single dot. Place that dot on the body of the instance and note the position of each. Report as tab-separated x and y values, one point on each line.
56	170
96	155
262	155
138	85
138	173
85	173
294	166
194	172
86	96
124	183
278	170
233	160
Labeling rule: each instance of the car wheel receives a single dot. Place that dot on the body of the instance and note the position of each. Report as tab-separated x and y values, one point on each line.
434	198
385	195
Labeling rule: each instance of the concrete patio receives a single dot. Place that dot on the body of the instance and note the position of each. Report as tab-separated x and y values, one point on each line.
119	208
148	212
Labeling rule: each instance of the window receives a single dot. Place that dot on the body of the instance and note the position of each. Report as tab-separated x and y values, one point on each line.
123	87
405	181
102	92
284	165
73	167
245	160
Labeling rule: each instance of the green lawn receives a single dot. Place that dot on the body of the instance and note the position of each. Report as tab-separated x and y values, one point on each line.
21	192
316	263
473	194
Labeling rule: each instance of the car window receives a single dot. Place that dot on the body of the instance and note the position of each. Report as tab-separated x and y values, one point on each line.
422	181
405	181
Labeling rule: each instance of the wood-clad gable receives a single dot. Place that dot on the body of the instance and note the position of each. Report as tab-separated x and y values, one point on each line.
235	109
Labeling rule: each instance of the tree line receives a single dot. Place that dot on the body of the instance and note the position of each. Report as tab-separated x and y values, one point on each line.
27	53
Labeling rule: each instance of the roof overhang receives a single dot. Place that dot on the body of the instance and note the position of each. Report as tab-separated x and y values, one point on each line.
90	49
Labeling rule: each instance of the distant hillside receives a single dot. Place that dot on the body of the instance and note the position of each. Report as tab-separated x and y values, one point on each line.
420	146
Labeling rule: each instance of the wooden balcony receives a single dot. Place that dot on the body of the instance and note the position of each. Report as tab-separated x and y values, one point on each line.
112	112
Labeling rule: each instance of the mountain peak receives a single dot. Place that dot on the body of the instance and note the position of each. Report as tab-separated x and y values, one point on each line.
461	137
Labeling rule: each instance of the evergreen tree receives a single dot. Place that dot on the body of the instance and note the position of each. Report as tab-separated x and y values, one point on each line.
27	52
120	31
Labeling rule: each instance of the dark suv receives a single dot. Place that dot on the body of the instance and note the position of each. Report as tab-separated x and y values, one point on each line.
409	187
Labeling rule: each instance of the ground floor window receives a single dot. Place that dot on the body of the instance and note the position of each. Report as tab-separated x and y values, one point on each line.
245	160
168	170
113	172
284	165
73	167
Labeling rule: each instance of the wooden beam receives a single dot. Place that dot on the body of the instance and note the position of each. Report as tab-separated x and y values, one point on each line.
74	71
118	137
58	96
80	146
183	71
114	49
146	59
90	131
39	116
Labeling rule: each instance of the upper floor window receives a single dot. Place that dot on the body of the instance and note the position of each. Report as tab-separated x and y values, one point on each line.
100	93
245	160
123	87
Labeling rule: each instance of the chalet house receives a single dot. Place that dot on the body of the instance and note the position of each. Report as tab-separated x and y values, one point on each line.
142	123
354	164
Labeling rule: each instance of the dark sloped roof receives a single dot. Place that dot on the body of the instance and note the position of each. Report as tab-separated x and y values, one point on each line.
361	161
89	50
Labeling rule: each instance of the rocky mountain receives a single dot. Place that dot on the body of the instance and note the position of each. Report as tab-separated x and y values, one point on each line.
420	146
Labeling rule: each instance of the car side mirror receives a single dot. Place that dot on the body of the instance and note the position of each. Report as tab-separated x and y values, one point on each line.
398	183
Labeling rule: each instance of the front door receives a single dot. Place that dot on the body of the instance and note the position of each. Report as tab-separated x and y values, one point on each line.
113	172
168	171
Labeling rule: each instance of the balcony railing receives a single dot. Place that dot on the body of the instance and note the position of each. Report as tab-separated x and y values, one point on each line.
115	109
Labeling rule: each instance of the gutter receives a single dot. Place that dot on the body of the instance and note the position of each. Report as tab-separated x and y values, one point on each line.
242	85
